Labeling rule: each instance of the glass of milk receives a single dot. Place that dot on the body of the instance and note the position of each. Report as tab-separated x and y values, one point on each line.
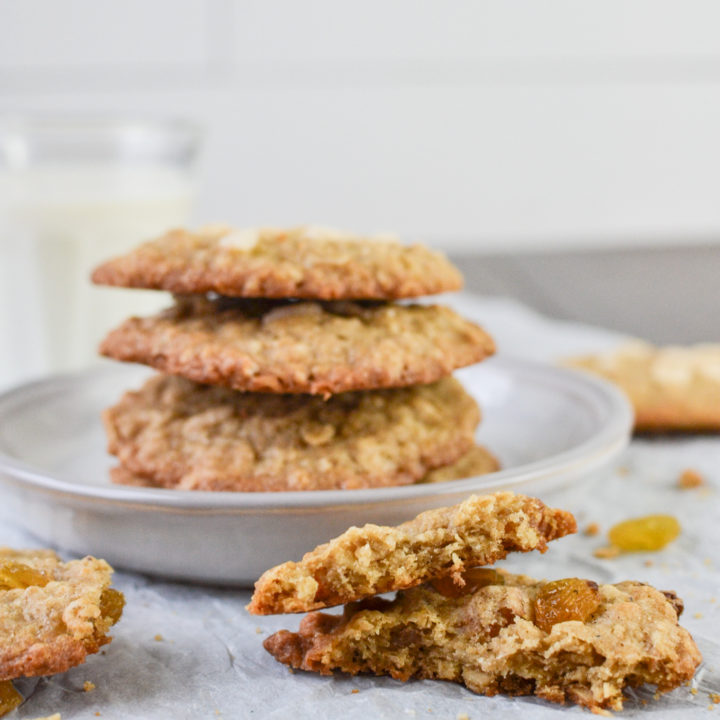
72	194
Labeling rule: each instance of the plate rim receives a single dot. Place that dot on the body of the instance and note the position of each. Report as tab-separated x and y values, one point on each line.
612	437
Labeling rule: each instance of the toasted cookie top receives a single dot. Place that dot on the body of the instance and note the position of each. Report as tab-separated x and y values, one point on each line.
52	614
670	388
300	347
180	434
302	262
437	543
495	638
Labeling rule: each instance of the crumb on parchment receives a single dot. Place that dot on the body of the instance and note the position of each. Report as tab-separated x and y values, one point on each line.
592	529
690	479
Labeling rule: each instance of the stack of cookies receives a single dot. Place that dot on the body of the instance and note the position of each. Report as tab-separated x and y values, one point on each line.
287	364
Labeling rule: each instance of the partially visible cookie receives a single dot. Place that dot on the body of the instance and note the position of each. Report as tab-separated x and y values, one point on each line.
670	388
301	262
303	347
492	640
177	433
52	614
437	543
478	461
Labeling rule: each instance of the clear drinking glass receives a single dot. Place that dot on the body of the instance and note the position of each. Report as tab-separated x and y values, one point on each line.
74	192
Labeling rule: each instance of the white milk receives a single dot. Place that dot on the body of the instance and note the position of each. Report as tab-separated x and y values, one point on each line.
56	224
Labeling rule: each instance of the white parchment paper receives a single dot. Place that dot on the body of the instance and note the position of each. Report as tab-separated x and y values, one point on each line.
184	651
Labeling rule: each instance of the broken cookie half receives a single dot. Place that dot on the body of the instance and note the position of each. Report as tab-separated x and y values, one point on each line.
565	640
52	614
374	559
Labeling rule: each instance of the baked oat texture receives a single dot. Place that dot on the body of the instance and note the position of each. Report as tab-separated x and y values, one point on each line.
478	461
437	543
305	347
301	262
46	629
488	641
670	388
177	433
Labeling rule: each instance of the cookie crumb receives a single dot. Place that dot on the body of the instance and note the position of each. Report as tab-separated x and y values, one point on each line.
693	691
648	563
623	470
354	691
463	716
158	637
698	616
689	479
714	697
258	631
606	553
592	529
88	686
56	716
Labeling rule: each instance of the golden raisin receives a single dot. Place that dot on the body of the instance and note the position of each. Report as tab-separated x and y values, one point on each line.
562	600
475	578
10	698
15	575
652	532
112	603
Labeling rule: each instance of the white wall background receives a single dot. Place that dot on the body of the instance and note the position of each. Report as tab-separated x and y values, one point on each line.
470	123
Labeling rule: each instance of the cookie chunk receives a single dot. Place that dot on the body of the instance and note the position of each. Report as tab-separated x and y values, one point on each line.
301	347
496	638
437	543
52	614
670	388
302	262
177	433
478	461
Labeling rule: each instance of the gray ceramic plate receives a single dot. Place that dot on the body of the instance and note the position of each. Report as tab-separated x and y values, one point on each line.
549	426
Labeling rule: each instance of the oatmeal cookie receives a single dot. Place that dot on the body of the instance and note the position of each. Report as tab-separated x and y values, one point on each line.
437	543
478	461
670	388
52	614
302	262
496	638
303	347
180	434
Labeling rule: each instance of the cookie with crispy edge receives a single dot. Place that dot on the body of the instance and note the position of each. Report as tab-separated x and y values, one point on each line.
303	347
491	640
478	461
670	388
179	434
52	614
301	262
375	559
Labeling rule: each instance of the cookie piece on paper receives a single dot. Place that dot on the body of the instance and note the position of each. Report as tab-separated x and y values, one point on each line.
52	614
302	262
498	638
438	543
300	347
